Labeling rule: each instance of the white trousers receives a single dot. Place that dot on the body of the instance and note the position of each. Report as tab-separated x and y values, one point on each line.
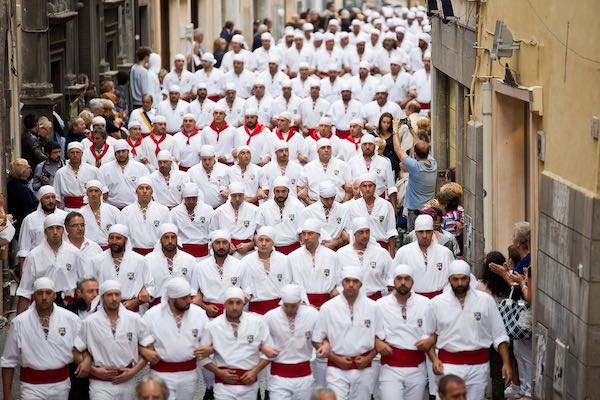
281	388
352	384
522	350
476	378
100	390
431	378
236	392
376	367
402	383
46	391
182	385
320	368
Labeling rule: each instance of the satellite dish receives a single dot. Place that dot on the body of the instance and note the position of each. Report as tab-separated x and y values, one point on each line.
503	42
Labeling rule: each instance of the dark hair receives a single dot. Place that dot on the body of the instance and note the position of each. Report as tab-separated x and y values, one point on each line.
447	380
420	150
494	282
450	174
142	52
122	78
228	25
101	131
89	95
50	146
29	121
424	136
384	115
81	78
449	199
513	254
70	216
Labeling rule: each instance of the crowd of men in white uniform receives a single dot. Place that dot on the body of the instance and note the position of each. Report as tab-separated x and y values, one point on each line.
255	233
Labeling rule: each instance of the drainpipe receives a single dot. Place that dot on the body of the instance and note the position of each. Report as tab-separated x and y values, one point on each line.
487	165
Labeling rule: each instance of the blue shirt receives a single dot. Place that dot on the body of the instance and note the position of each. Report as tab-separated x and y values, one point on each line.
422	178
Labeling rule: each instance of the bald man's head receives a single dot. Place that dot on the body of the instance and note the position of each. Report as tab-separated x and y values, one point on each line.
422	150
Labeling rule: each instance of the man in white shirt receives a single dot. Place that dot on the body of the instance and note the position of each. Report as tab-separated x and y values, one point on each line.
282	213
265	52
166	261
256	135
334	217
202	107
220	136
188	142
380	105
429	259
364	85
286	101
52	258
75	229
111	336
237	52
167	181
134	140
296	55
251	175
232	105
239	218
173	109
143	217
467	322
32	227
181	77
291	327
301	83
242	78
98	215
69	181
374	260
313	108
345	110
328	55
99	152
323	131
351	146
261	102
288	136
211	77
193	218
331	85
40	341
121	176
273	77
175	329
398	82
407	320
358	57
350	323
237	339
211	176
422	81
156	141
145	114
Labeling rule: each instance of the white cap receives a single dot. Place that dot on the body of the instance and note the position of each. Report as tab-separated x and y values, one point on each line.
396	60
356	22
43	283
363	64
291	294
244	147
358	121
164	155
144	180
236	188
323	142
367	139
311	225
327	189
110	285
239	58
344	35
281	181
459	267
267	231
303	64
229	86
286	115
237	39
209	57
423	222
266	36
318	36
315	83
400	29
179	57
411	15
189	189
280	144
219	107
167	227
273	60
345	86
54	219
159	119
74	145
333	22
250	112
403	269
98	120
332	67
367	177
174	89
307	26
220	234
375	32
259	82
286	83
325	121
298	35
233	292
328	36
44	190
381	89
177	287
289	31
189	115
425	37
207	150
360	223
131	124
352	272
93	183
119	229
120	144
201	85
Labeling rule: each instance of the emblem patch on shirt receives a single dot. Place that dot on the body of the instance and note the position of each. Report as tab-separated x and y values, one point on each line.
420	322
291	217
279	277
62	331
246	224
195	333
326	272
219	178
202	220
307	335
381	218
338	220
68	267
367	323
179	188
233	280
378	171
373	264
293	181
439	266
184	271
336	172
252	177
133	178
108	226
130	336
250	338
477	316
156	223
130	275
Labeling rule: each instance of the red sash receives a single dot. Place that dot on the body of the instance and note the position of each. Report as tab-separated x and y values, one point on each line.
194	133
181	366
157	142
425	106
143	251
237	242
134	145
197	250
298	370
73	201
291	133
182	168
214	98
318	299
288	248
353	366
264	306
257	129
218	130
41	377
375	296
431	295
98	157
315	135
473	357
238	381
154	302
403	358
350	138
343	134
221	307
383	244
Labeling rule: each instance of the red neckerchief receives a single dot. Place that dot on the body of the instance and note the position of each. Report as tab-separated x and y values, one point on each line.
218	131
257	129
194	132
351	140
291	133
316	135
134	145
98	157
157	142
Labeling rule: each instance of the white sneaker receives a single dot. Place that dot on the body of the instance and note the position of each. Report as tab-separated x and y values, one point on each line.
512	392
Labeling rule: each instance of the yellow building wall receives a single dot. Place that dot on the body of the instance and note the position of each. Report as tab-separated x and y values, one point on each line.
570	78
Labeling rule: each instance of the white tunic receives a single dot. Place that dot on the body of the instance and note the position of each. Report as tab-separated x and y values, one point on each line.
382	219
151	146
324	58
398	86
156	263
241	226
381	167
260	143
349	333
300	87
87	250
310	146
122	181
144	232
234	115
133	273
376	263
291	105
404	333
476	325
312	111
293	170
293	57
109	215
294	347
168	194
67	182
64	267
263	285
333	224
32	228
284	220
243	82
27	345
185	81
193	231
137	115
430	277
264	108
295	142
173	343
342	113
422	81
189	147
320	274
211	183
314	174
262	55
97	159
273	82
110	350
373	111
363	91
330	91
223	141
202	111
227	62
215	83
252	177
207	279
